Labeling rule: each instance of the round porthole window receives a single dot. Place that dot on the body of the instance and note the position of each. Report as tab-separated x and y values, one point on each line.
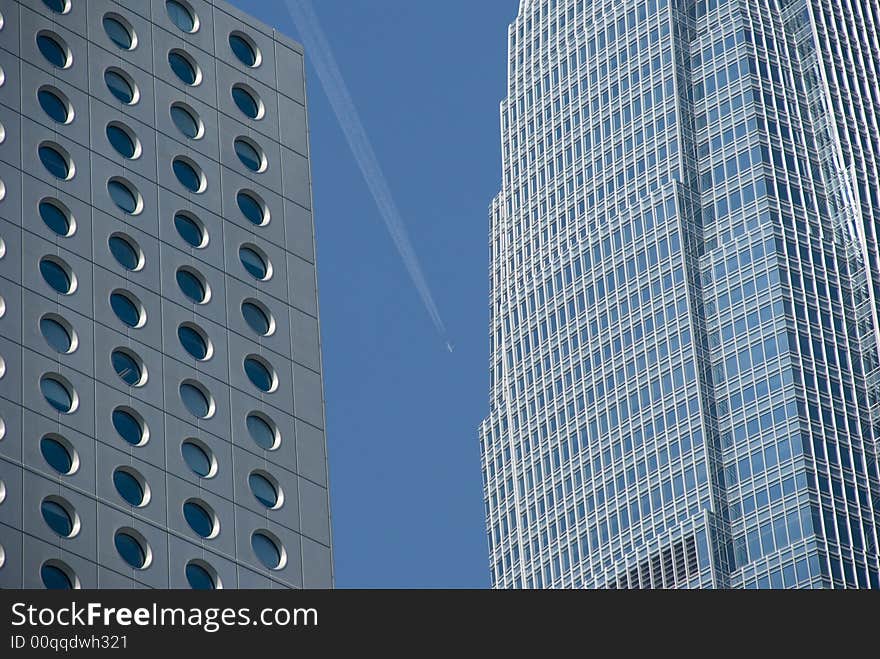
133	548
199	458
130	426
268	549
263	431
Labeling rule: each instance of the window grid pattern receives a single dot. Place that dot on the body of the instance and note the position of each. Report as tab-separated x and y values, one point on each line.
663	276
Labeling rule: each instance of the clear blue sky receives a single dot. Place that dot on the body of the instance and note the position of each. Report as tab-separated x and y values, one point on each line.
402	412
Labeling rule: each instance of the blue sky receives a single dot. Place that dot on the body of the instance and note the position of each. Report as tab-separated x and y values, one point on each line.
402	412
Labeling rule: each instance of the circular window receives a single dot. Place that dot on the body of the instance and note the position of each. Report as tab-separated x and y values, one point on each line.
55	105
199	458
191	230
182	15
123	140
195	341
121	86
193	285
247	101
131	486
128	309
260	373
201	518
258	317
58	275
130	426
266	489
120	31
58	576
245	49
255	262
56	161
58	6
189	174
58	334
250	154
268	549
60	516
184	68
187	121
126	252
125	196
252	207
201	576
54	49
133	549
128	367
59	454
59	393
57	217
263	431
196	399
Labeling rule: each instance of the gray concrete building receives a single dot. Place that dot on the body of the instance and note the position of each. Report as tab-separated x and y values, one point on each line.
161	398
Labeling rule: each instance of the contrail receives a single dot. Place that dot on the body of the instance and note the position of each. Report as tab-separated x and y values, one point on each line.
319	51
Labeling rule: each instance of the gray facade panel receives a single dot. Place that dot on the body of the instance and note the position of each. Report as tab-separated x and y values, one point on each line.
178	455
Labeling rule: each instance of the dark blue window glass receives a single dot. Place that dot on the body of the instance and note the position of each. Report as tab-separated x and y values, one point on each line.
261	432
250	208
253	262
198	518
246	102
121	141
180	15
185	121
190	230
125	309
54	106
126	367
55	218
52	50
258	374
56	517
130	549
121	88
256	318
128	487
123	196
187	175
118	33
192	342
266	550
196	458
54	578
191	285
250	157
126	254
56	455
58	6
56	335
182	67
54	162
263	490
55	275
194	400
199	578
243	50
56	394
128	427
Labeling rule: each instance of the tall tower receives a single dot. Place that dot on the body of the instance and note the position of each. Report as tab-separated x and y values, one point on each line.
684	297
161	406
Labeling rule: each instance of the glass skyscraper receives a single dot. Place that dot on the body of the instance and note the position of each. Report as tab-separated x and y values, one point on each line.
684	288
161	398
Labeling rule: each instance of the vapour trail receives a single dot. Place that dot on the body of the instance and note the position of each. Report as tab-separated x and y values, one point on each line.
319	52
